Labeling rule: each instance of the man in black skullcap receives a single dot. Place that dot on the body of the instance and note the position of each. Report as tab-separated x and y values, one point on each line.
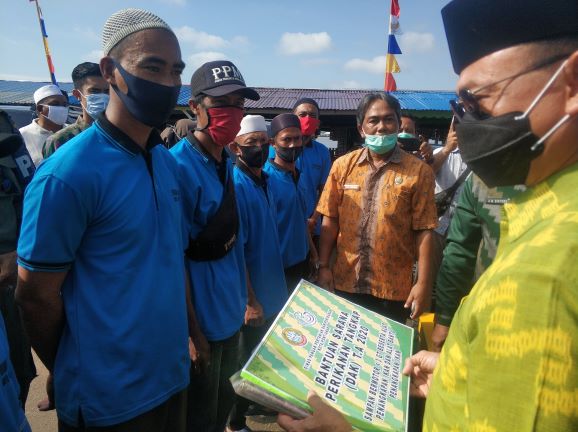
294	238
509	360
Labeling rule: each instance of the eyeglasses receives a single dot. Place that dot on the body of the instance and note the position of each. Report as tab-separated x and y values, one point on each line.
467	101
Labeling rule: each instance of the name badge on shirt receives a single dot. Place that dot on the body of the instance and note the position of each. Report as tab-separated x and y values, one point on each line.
497	201
351	187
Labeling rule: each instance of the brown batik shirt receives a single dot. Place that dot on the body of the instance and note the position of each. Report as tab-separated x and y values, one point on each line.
380	209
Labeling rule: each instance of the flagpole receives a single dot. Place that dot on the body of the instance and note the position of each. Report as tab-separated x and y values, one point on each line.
386	84
45	43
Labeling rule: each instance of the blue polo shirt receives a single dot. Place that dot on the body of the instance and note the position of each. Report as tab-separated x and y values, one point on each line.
291	217
12	417
218	287
109	214
314	165
258	217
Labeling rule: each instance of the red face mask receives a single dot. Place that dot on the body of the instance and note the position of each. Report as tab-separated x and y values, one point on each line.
224	124
309	125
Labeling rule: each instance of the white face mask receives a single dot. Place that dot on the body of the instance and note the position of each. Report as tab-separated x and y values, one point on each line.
57	114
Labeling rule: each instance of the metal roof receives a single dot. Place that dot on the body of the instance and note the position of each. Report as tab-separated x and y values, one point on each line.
20	93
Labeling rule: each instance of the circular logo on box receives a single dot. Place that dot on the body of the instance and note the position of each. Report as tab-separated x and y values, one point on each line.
305	318
294	337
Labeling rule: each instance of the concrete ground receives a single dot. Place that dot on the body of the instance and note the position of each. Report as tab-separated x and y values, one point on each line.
46	421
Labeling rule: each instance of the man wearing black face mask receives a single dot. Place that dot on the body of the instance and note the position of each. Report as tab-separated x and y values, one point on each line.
216	260
292	215
512	346
258	218
101	277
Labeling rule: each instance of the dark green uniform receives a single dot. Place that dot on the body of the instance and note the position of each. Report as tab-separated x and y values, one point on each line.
57	139
472	241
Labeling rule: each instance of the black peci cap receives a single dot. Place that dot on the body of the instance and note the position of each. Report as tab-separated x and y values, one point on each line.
477	28
218	78
284	121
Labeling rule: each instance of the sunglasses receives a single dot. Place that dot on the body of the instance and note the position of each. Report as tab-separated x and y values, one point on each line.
467	101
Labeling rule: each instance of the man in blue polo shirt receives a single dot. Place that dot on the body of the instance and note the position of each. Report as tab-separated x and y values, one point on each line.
216	261
258	218
101	275
294	236
314	163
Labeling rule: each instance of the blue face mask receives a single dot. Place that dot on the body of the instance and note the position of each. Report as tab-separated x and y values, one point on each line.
381	144
95	103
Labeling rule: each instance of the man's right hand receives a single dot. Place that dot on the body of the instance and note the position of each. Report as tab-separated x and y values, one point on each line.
325	279
420	367
200	353
439	336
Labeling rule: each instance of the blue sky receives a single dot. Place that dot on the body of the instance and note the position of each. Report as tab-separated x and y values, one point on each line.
275	43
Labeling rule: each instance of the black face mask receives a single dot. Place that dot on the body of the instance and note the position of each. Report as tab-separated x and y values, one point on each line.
289	154
254	156
498	149
148	102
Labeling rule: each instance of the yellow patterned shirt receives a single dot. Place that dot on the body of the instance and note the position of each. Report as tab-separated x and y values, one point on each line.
509	360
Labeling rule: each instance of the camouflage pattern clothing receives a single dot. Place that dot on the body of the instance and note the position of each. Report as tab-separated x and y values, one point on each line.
472	242
64	135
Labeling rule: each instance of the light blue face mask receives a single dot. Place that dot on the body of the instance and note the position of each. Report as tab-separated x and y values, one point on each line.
381	144
405	135
96	103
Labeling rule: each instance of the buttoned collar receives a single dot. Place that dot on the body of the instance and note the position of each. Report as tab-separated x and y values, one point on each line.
395	156
259	181
196	145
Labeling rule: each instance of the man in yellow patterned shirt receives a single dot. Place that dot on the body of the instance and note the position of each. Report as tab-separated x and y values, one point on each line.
509	363
510	360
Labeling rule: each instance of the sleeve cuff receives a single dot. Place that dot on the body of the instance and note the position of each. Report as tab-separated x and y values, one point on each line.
43	267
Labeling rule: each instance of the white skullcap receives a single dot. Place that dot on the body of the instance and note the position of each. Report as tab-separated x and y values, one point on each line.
252	123
45	91
126	22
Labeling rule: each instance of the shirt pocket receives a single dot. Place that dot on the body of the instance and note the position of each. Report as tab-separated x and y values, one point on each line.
396	198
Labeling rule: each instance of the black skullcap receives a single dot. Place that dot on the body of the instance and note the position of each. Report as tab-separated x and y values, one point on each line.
306	100
284	121
476	28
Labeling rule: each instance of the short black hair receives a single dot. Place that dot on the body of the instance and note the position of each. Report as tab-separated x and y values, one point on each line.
409	116
369	98
83	71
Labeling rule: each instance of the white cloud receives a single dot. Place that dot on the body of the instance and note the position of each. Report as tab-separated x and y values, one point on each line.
304	43
411	42
197	59
200	39
93	56
375	66
205	41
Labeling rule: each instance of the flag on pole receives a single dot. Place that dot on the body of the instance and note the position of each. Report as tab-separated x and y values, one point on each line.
391	65
395	8
45	42
390	84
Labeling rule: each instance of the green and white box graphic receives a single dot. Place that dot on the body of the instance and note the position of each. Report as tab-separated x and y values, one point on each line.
345	353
